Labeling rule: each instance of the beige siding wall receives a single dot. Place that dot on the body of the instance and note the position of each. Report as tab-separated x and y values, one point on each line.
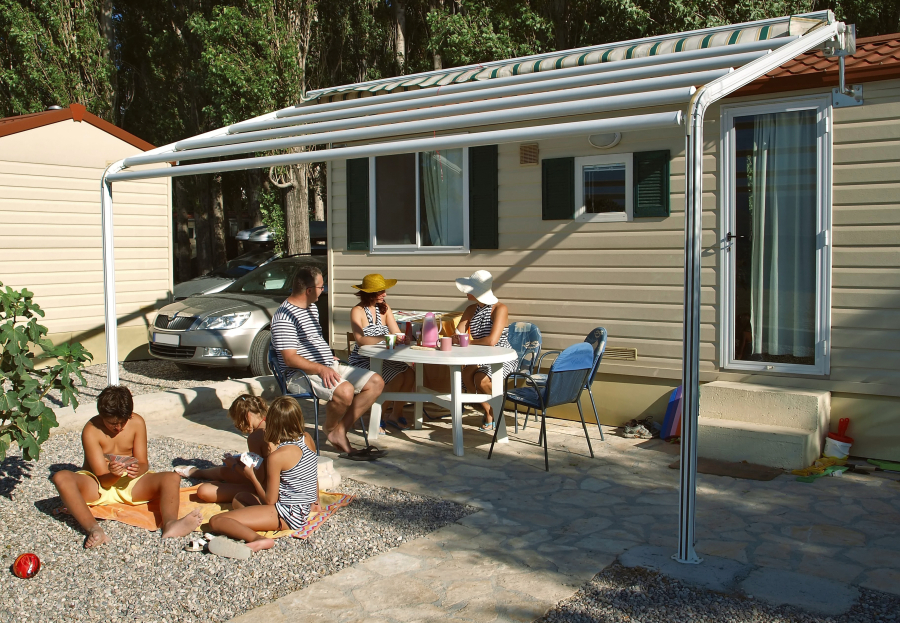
50	234
569	277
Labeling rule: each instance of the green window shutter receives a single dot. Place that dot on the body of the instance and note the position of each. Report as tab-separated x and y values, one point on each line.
651	183
358	204
558	189
483	212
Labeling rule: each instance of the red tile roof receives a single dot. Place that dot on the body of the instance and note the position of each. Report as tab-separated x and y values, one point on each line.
75	112
876	58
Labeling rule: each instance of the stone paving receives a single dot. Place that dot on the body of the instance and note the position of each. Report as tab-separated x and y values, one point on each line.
540	536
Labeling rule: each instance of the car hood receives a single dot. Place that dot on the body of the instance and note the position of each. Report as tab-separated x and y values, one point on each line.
221	303
200	285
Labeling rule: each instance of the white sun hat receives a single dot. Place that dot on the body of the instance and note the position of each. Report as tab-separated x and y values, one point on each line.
478	285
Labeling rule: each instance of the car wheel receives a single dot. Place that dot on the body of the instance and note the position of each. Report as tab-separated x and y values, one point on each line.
259	354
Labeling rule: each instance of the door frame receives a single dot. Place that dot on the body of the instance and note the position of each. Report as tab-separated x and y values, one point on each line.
822	366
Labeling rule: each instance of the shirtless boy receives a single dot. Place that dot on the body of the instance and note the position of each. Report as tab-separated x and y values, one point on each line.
117	430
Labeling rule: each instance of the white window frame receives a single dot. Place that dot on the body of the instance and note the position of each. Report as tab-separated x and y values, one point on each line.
401	249
581	215
822	366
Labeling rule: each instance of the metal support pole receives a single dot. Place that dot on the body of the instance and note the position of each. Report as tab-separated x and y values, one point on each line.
109	275
690	374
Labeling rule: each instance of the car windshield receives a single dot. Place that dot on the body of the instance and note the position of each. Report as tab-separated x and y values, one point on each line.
243	264
274	278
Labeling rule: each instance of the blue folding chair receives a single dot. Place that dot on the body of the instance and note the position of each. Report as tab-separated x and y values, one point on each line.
565	382
525	339
597	340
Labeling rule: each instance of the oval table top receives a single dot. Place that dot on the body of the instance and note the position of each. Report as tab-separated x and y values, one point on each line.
459	356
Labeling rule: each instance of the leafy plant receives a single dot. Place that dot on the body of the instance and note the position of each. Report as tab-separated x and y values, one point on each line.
273	216
24	417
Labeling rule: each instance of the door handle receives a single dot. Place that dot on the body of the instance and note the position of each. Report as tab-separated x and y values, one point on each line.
729	237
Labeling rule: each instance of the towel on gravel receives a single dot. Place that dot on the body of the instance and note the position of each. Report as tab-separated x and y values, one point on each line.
147	516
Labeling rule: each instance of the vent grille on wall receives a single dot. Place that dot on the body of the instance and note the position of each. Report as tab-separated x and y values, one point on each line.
528	155
619	353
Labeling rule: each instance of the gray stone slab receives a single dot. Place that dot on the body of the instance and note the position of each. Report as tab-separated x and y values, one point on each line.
714	573
803	591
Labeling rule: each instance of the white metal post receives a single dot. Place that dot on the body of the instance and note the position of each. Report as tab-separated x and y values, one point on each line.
109	275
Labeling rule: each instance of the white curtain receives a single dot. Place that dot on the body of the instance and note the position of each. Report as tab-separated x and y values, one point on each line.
783	175
442	201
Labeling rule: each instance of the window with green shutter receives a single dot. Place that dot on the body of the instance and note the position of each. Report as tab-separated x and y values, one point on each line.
651	184
483	202
557	189
358	204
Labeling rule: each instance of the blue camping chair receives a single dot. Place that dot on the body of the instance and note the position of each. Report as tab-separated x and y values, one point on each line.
525	339
565	382
597	340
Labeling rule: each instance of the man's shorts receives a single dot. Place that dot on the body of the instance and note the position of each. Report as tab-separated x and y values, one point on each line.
358	377
118	493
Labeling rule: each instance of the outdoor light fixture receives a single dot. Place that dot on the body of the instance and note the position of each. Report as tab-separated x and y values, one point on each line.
605	141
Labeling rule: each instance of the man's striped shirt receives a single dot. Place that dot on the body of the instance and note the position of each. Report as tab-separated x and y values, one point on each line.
298	329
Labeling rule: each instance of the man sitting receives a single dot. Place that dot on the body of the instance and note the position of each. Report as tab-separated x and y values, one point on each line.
116	471
298	342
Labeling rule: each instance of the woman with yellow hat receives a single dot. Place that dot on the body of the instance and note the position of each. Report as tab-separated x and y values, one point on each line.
371	319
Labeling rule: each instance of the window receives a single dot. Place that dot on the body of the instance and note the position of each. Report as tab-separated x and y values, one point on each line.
603	188
774	238
419	201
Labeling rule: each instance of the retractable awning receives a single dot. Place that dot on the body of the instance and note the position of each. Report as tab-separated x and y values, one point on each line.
683	73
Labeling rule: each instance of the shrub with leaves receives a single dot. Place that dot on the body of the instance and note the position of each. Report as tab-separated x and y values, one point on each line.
24	417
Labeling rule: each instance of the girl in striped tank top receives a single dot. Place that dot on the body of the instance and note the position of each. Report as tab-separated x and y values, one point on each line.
371	319
486	322
291	491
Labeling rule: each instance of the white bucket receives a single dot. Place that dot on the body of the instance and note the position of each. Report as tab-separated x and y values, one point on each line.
835	449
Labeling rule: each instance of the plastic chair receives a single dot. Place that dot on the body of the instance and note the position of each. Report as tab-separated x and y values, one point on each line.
565	382
282	385
597	340
525	339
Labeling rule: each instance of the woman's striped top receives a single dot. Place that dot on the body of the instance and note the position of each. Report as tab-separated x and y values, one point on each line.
376	328
481	325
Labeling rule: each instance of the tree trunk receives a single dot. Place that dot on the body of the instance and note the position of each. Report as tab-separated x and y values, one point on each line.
201	226
400	38
107	32
253	188
220	255
319	194
182	241
296	211
437	5
561	23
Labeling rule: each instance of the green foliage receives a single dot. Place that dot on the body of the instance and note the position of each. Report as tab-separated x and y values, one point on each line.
24	417
53	52
273	216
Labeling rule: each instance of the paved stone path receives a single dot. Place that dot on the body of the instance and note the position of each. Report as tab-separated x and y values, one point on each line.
540	536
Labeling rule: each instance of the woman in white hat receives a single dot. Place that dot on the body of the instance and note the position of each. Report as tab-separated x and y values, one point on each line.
486	322
371	319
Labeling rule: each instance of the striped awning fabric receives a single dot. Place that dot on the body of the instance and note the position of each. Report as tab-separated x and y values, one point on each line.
654	46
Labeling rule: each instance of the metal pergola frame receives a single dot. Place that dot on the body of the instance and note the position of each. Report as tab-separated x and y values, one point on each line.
535	98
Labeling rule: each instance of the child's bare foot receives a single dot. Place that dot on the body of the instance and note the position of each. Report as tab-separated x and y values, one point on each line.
96	538
183	526
260	544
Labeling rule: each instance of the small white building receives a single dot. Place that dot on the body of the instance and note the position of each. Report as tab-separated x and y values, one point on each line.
50	169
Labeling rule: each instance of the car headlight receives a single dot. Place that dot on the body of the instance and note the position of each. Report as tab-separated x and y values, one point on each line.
227	321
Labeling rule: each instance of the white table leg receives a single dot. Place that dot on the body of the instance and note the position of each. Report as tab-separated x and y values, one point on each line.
456	408
420	376
376	366
496	401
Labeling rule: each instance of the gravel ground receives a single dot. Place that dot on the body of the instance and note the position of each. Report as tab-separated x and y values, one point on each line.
147	377
139	577
639	595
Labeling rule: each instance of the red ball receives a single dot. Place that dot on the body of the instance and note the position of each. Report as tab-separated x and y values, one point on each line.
26	566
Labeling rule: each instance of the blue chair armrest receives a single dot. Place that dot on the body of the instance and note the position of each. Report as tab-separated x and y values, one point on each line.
528	380
544	354
309	394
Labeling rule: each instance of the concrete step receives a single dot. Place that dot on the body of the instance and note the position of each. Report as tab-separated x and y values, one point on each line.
787	407
763	444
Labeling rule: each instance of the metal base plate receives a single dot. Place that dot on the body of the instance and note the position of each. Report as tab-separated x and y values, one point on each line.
844	100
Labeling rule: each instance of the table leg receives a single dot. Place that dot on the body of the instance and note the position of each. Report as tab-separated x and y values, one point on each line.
496	401
376	366
420	372
456	408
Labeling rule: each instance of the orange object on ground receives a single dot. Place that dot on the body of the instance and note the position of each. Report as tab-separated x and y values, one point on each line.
841	435
147	516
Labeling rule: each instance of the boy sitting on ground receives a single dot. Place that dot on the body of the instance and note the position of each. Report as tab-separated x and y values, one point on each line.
116	471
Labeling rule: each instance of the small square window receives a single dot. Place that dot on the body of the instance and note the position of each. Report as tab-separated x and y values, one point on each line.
603	188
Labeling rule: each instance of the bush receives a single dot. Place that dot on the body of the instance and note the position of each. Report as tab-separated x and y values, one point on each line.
24	417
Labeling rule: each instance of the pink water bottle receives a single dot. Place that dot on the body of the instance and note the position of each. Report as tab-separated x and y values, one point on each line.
429	331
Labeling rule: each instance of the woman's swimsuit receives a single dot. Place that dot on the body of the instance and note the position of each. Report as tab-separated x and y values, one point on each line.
376	328
481	325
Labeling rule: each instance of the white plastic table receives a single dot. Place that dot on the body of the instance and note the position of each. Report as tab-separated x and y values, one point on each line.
493	356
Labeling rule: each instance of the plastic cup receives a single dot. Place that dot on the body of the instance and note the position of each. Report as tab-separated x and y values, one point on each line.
463	339
390	341
446	343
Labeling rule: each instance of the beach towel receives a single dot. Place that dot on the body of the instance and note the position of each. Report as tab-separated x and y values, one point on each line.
147	516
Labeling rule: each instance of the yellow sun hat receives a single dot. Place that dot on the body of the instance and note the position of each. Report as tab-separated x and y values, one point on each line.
375	283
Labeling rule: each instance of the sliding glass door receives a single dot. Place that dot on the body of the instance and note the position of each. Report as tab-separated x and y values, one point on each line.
775	238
